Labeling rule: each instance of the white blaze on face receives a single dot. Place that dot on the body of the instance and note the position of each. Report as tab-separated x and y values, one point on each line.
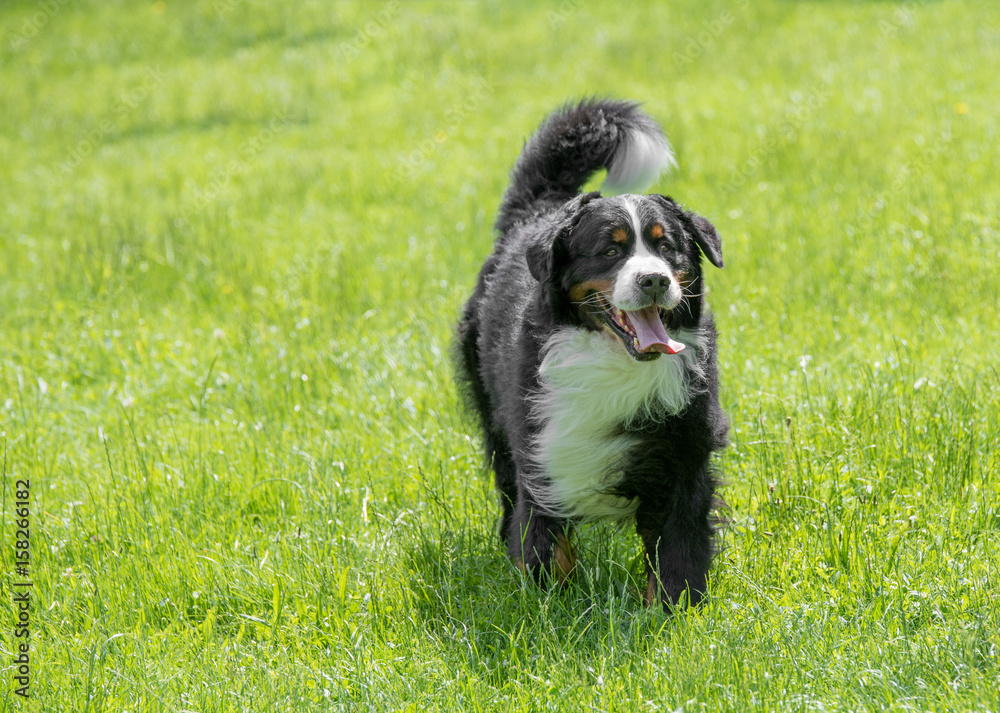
627	295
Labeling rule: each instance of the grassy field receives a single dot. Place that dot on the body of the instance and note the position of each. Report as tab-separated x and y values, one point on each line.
235	239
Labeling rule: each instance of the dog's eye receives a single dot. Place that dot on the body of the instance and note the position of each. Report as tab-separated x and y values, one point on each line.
612	252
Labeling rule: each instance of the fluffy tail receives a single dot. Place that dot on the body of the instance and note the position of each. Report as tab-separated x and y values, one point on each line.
574	142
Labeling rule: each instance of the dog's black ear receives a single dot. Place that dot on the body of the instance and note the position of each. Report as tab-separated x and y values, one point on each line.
707	238
541	254
704	233
545	253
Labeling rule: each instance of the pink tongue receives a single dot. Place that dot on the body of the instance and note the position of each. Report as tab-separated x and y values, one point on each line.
650	332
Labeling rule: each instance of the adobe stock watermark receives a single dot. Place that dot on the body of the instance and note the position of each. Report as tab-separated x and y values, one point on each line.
456	117
224	7
23	586
219	178
36	22
375	26
566	8
923	164
127	102
795	118
901	16
704	40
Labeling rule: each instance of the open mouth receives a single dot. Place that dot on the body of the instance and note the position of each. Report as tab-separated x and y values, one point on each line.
640	330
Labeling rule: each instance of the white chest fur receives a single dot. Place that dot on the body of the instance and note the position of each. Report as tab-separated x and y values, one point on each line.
590	388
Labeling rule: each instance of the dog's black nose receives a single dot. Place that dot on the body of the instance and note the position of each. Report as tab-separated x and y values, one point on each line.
654	284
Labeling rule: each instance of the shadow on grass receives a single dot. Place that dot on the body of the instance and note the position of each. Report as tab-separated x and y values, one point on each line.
245	127
462	590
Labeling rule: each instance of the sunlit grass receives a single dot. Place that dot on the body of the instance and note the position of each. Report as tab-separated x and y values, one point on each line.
235	239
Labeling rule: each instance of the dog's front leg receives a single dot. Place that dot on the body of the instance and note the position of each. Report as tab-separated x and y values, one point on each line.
679	541
539	543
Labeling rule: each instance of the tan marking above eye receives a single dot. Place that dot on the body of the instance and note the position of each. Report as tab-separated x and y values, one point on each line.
656	232
619	235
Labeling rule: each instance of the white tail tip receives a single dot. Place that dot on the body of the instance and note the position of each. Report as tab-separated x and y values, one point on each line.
638	162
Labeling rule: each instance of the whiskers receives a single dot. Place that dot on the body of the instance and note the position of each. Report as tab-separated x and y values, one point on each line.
688	297
688	293
601	299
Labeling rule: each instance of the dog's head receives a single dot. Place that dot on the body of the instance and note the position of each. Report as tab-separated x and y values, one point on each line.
629	266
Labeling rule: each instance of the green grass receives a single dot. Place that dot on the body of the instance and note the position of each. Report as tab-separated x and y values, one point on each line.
235	238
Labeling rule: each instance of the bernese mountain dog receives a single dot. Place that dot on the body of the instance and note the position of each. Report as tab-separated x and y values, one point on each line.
589	354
